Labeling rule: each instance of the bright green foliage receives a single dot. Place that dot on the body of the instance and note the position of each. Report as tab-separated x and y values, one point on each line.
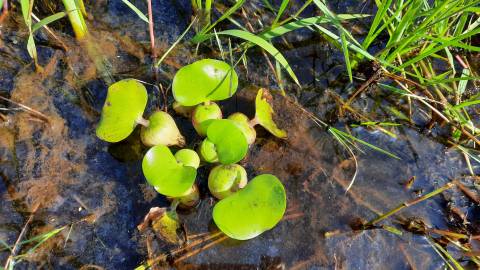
264	112
203	115
242	121
125	103
188	157
168	176
74	10
252	210
162	130
230	143
224	180
208	152
204	80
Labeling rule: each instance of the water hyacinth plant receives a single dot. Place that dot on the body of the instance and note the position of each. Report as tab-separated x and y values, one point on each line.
256	208
224	180
204	80
229	144
172	175
226	142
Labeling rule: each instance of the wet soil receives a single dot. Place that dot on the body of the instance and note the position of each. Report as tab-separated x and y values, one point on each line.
98	192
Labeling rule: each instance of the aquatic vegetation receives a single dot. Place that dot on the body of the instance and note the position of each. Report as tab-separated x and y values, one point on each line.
262	200
168	174
185	111
161	130
75	10
224	180
123	110
264	114
207	151
242	122
204	80
203	115
228	140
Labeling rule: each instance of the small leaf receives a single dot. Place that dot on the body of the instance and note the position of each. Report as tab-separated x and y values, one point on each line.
166	174
204	80
124	106
31	48
256	208
229	140
136	10
264	114
48	20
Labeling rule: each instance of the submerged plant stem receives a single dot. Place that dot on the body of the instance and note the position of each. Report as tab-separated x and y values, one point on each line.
410	203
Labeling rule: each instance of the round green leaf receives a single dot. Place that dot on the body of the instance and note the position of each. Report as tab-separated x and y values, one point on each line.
204	80
125	103
207	151
166	174
264	114
256	208
188	157
230	142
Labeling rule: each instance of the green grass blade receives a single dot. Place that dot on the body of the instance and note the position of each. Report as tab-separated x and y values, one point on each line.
48	20
5	245
175	43
302	23
353	138
140	14
25	5
264	45
466	104
346	56
224	16
281	10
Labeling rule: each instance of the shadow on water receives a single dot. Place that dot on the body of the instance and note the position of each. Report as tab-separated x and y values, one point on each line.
98	189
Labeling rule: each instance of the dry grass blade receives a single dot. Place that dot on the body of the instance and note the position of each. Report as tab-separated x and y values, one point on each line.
16	247
28	109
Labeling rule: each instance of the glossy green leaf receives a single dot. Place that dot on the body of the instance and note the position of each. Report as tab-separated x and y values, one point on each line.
204	80
208	151
224	180
230	142
256	208
125	103
188	157
166	174
264	114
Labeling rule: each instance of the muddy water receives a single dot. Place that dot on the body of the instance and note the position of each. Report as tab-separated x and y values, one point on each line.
97	189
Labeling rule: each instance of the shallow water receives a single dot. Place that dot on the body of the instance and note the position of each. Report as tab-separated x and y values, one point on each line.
99	187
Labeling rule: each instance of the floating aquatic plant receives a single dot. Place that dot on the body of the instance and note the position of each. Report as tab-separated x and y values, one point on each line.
122	111
169	176
226	140
203	115
264	113
256	208
245	210
242	121
204	80
161	130
224	180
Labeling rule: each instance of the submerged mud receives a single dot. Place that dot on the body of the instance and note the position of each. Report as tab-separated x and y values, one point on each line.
52	164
